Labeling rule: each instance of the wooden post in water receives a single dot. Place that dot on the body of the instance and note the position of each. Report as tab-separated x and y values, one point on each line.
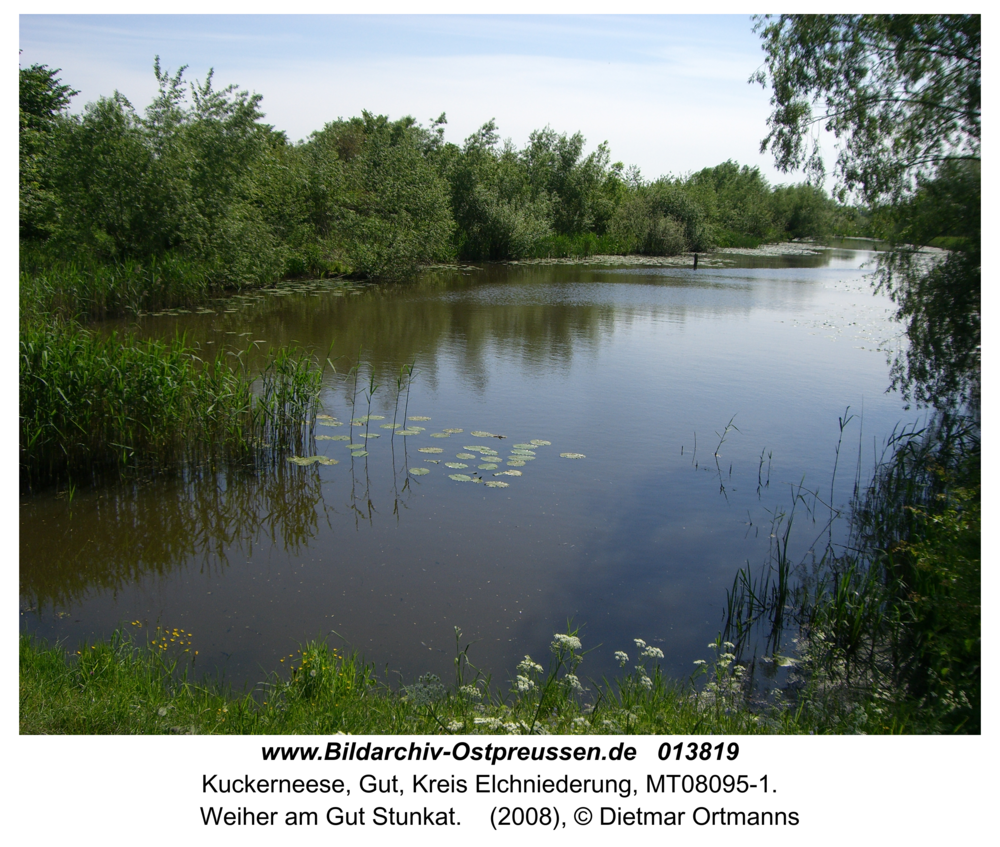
696	261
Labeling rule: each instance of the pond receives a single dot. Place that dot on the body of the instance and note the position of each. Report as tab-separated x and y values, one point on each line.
700	402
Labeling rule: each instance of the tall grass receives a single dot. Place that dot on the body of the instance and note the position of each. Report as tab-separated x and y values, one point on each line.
90	404
894	615
128	685
578	245
85	288
134	685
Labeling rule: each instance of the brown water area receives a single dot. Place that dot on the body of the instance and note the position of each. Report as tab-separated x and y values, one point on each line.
637	368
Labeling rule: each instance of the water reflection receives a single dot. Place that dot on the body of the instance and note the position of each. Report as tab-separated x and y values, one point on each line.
629	366
203	519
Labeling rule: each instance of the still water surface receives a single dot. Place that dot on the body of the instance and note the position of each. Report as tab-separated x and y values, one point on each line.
638	369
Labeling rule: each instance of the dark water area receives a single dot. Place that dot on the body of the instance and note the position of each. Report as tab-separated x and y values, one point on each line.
639	369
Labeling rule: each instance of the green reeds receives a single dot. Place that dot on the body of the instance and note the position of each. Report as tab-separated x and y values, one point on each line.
369	395
893	616
577	246
91	404
85	289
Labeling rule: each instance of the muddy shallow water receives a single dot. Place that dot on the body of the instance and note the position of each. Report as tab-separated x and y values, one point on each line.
640	369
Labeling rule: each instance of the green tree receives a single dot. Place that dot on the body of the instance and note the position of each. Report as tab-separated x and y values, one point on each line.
582	188
378	191
42	101
104	178
902	96
498	213
802	210
736	200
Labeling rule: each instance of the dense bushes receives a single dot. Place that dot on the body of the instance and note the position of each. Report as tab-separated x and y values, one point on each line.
199	177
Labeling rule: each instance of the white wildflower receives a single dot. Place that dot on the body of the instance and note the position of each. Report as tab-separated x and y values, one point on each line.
524	684
653	652
699	661
527	666
573	681
639	643
570	642
455	726
621	657
471	692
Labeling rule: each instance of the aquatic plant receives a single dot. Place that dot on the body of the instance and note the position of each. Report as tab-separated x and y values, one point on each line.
91	404
894	614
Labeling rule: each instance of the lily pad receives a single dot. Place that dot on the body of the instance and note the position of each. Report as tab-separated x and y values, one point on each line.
487	467
440	435
455	465
375	417
407	432
418	418
390	426
496	483
516	463
327	437
460	477
572	455
329	423
539	443
522	446
433	461
325	418
522	452
452	431
302	461
419	471
466	456
357	454
430	450
370	435
335	437
482	434
508	473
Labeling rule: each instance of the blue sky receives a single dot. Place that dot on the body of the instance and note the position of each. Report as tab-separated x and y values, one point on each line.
668	93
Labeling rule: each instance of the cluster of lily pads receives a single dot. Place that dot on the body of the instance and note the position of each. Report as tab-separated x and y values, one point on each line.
234	303
486	458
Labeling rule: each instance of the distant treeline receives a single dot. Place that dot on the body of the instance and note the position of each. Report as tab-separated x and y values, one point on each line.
198	186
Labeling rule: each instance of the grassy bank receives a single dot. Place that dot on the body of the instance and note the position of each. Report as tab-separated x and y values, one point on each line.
132	686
